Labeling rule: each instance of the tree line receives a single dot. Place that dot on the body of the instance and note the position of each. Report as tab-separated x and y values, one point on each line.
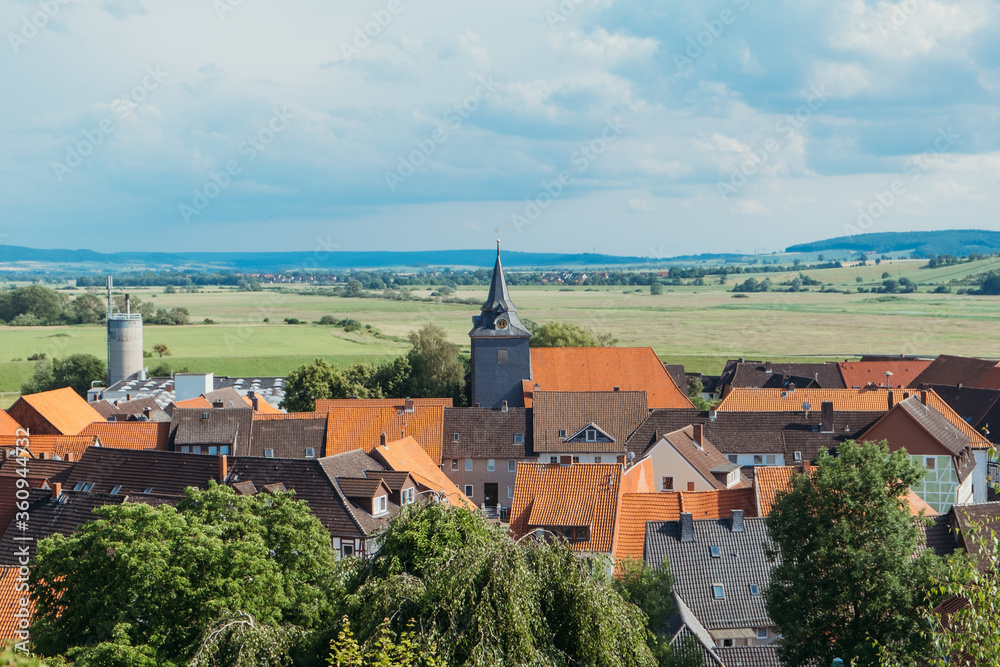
37	305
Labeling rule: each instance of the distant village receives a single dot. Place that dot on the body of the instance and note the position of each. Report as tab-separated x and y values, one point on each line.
599	446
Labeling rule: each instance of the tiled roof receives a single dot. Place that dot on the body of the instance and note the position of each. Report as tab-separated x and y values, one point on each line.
918	505
10	603
63	408
166	473
196	403
617	413
122	410
702	458
858	374
742	562
636	510
130	434
969	403
719	503
359	465
948	369
263	407
484	433
395	480
603	369
39	470
584	492
767	481
288	434
407	455
986	515
327	404
638	477
224	426
7	424
52	445
938	536
777	375
361	487
991	380
361	426
229	397
749	656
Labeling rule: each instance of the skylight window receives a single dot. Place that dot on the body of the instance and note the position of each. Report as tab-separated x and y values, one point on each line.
715	551
754	589
518	438
115	490
149	489
718	592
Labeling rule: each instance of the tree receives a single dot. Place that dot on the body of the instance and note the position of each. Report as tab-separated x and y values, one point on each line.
847	573
655	288
564	334
88	309
436	368
147	582
408	650
77	371
161	350
321	379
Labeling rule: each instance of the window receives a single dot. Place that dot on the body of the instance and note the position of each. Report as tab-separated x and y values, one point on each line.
733	458
754	589
310	453
690	486
931	462
268	453
380	506
510	491
347	549
501	356
562	433
668	484
224	449
511	465
149	489
597	459
718	592
518	438
468	490
576	459
553	459
770	459
455	437
758	460
491	465
726	643
761	633
196	449
454	464
715	551
115	490
185	449
83	486
408	495
468	465
206	415
796	456
213	450
591	435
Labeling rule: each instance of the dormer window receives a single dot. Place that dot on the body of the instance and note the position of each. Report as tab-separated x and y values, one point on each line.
518	438
455	437
754	589
310	453
206	415
149	489
380	505
115	490
408	495
83	486
562	433
268	453
591	435
715	551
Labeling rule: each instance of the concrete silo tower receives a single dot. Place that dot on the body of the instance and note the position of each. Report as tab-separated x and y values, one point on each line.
124	341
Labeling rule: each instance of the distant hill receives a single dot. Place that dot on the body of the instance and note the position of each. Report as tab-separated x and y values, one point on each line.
956	242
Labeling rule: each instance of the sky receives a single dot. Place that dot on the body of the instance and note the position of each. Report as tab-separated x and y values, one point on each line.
648	128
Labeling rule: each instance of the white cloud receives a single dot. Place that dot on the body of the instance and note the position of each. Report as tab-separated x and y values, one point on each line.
638	206
749	207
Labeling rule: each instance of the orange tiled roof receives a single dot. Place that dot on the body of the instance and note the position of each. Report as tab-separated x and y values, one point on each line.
586	493
361	427
636	510
199	402
407	455
325	404
52	444
64	409
131	434
856	400
263	407
10	604
719	503
767	481
7	424
861	373
603	369
638	478
918	505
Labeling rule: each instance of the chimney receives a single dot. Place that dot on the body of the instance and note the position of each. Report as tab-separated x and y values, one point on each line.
56	490
699	435
923	397
43	455
890	399
737	521
381	439
826	417
217	404
116	403
687	527
128	397
148	412
255	402
69	457
504	408
712	414
906	395
223	468
408	405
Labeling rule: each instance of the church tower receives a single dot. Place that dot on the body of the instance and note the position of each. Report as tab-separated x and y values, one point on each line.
500	355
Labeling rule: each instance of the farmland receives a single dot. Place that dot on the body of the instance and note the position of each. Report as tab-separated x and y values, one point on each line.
698	326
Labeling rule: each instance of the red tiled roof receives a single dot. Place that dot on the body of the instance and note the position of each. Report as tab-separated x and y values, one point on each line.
131	434
767	481
326	404
719	503
603	369
991	380
263	407
586	494
199	402
50	445
862	373
64	409
7	424
636	510
638	478
10	604
361	426
407	455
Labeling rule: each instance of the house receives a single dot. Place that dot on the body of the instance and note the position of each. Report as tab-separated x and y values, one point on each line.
407	455
36	473
720	571
954	371
56	412
59	447
324	405
604	369
739	373
213	431
585	426
686	460
361	423
7	425
130	434
134	473
936	443
892	372
295	435
482	448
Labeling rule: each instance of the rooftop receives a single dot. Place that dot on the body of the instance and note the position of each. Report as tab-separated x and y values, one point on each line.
559	415
63	408
361	426
407	455
483	433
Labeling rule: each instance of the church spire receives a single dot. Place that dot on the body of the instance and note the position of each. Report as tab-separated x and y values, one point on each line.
499	314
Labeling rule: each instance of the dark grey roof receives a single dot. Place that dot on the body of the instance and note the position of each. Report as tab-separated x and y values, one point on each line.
356	464
498	304
775	375
678	375
938	536
288	436
166	473
952	370
223	426
227	396
742	562
969	403
485	433
749	656
360	487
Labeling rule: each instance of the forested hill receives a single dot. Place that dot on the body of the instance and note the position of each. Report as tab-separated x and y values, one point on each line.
958	242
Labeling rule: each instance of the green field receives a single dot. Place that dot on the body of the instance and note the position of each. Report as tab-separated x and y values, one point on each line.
699	327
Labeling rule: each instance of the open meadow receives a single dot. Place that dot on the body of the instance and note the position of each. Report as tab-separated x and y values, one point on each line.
698	326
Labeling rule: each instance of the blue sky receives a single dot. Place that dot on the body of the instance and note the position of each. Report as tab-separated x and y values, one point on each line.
639	128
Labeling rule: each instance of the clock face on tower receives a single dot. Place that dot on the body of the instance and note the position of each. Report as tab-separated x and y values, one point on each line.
501	323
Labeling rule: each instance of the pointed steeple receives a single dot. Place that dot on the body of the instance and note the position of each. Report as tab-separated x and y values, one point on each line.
499	314
498	299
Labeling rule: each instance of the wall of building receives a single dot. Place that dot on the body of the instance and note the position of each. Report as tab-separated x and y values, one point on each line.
752	459
124	347
580	457
940	488
356	544
480	475
979	483
494	382
667	462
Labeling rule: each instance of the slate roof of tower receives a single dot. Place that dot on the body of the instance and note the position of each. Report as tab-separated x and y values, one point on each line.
498	303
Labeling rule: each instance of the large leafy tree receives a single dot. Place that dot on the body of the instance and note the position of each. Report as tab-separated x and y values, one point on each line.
565	334
437	369
146	583
321	379
76	371
848	571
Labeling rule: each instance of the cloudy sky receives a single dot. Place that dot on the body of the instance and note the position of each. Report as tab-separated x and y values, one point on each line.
641	128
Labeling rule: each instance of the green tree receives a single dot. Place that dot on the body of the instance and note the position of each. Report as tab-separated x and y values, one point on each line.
436	368
321	379
408	649
565	334
655	288
848	573
147	582
76	371
88	309
161	350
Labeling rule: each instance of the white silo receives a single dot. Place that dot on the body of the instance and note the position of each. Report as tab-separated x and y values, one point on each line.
124	341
